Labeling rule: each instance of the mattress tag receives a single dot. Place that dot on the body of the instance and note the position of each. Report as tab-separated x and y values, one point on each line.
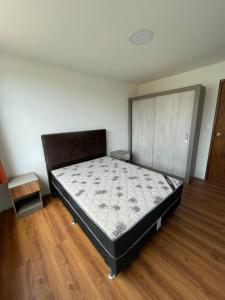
158	224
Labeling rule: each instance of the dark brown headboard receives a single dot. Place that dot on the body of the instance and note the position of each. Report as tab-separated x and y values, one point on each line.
63	149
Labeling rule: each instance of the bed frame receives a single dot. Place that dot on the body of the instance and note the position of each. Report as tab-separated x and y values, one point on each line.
63	149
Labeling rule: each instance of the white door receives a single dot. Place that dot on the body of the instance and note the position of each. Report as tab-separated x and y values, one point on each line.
172	125
142	131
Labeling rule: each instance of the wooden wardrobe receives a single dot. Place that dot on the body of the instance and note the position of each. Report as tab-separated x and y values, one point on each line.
164	130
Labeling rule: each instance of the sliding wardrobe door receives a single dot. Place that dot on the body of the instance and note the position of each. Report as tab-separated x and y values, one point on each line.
142	131
172	127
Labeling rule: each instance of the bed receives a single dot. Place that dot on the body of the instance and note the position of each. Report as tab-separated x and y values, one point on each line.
117	204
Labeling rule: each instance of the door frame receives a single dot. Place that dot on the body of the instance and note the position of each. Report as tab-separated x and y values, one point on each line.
214	128
195	122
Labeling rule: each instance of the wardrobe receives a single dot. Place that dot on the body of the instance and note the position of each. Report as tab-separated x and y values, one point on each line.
164	130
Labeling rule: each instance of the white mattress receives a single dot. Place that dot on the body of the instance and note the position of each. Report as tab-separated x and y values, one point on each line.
116	195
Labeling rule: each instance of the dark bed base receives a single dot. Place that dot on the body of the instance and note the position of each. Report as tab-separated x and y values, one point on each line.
116	265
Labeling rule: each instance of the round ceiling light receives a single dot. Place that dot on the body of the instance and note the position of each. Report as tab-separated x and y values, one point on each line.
141	37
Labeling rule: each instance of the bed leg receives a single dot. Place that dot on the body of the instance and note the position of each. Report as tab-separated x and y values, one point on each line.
53	191
111	275
74	222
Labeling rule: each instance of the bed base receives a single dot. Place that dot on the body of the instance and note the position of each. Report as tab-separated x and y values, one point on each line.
117	264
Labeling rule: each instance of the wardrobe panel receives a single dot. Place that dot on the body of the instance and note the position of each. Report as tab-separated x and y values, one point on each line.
172	125
142	131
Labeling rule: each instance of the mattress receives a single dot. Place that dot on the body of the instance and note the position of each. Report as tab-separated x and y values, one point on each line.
117	201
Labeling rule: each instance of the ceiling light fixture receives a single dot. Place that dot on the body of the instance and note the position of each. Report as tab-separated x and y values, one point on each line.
141	37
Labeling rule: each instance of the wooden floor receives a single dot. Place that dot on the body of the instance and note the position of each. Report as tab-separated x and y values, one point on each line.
44	256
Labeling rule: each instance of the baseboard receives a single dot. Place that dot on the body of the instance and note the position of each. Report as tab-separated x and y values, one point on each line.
197	179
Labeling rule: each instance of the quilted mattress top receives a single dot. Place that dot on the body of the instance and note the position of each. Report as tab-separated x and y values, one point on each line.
116	195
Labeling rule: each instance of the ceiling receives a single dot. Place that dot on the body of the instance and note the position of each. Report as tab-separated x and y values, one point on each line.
93	35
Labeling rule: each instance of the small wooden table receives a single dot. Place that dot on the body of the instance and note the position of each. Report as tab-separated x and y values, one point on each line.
25	194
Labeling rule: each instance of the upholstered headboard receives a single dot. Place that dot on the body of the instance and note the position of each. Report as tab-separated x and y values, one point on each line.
63	149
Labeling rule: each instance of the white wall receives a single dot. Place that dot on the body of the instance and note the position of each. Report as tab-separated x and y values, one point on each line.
36	99
209	77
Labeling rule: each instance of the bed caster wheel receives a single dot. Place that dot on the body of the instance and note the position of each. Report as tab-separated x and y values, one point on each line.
111	275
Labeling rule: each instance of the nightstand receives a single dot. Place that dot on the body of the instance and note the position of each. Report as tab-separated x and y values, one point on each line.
25	194
121	155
